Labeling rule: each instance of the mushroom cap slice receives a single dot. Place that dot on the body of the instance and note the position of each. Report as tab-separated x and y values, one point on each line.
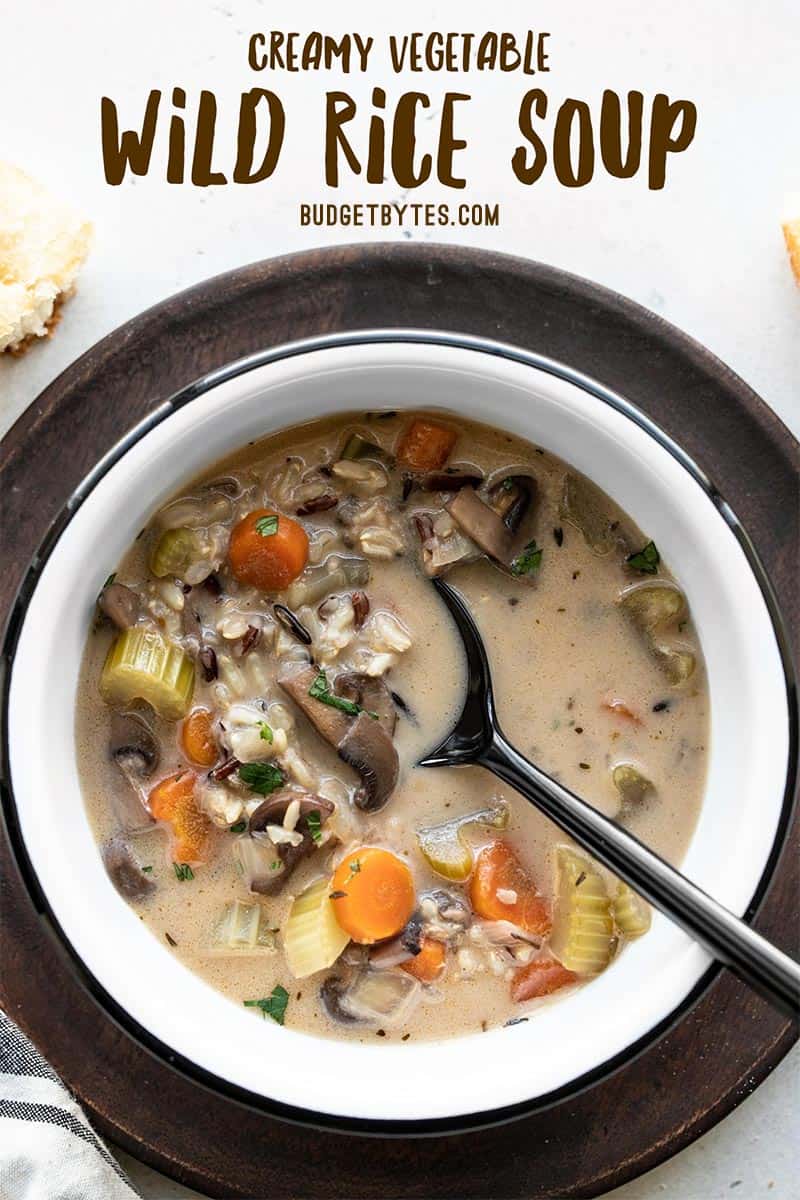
369	749
511	497
124	871
271	812
120	604
485	526
369	693
134	749
363	742
330	722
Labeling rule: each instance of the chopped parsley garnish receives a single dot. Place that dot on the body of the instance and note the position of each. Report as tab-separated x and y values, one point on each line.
529	560
183	871
110	580
355	867
319	690
267	526
238	827
645	560
261	777
146	870
266	733
273	1005
314	822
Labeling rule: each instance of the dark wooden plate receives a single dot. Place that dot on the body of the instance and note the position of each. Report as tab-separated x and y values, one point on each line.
720	1046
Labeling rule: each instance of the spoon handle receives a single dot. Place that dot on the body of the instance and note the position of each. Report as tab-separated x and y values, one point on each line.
760	964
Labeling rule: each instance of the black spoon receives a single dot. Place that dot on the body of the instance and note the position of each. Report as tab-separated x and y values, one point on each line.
478	738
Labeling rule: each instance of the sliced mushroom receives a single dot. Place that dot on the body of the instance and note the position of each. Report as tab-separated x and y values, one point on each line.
483	524
512	497
369	693
330	722
363	742
442	551
134	749
369	749
406	945
384	997
451	479
124	871
263	876
330	993
120	604
445	916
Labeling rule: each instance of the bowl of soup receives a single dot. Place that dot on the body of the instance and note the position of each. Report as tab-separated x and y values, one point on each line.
237	659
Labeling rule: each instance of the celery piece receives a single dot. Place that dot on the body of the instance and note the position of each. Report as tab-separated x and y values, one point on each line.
143	665
243	929
652	606
312	938
446	850
631	784
677	665
631	912
586	507
357	447
583	930
174	552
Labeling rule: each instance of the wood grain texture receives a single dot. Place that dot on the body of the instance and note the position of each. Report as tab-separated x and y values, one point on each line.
718	1052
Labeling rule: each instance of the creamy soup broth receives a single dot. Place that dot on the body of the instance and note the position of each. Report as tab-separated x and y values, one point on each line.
609	697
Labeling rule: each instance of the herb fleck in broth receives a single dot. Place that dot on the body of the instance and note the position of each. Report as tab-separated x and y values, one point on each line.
598	677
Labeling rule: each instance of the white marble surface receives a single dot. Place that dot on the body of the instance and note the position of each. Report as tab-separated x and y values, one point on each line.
706	252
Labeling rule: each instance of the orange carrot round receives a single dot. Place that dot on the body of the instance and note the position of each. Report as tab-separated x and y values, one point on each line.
502	890
197	738
428	964
540	978
372	894
267	550
173	800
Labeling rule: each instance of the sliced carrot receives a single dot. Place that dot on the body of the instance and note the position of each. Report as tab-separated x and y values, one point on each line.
619	708
173	800
502	890
197	738
267	550
540	978
372	894
425	446
428	964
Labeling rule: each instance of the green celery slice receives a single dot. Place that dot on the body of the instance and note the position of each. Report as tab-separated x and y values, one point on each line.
143	665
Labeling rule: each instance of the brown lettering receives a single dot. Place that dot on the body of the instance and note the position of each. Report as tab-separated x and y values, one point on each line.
662	142
130	149
243	171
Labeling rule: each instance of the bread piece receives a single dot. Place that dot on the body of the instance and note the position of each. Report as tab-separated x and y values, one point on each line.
42	246
791	231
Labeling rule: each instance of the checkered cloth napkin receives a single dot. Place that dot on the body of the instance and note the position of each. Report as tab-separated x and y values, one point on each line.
48	1151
